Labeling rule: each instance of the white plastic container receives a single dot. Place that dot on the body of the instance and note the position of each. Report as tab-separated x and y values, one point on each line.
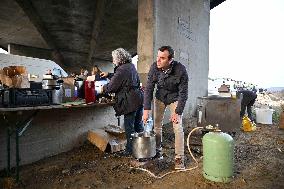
264	116
149	125
98	86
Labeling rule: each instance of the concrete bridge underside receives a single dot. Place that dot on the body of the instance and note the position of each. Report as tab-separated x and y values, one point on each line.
74	33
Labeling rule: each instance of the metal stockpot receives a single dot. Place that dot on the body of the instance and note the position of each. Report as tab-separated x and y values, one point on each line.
49	83
57	95
144	145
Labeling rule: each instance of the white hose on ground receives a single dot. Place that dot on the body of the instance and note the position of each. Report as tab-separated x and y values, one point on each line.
176	171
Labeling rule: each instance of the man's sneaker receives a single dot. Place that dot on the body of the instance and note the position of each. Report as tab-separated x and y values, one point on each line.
179	163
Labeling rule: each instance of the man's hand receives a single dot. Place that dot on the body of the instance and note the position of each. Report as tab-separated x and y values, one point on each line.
145	115
104	74
175	118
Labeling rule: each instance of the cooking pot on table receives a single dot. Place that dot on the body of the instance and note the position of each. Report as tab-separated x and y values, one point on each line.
49	83
143	145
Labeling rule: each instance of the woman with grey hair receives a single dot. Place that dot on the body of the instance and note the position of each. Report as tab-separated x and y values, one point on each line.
125	83
120	56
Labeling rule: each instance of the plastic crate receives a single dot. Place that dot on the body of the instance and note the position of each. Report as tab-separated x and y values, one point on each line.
28	97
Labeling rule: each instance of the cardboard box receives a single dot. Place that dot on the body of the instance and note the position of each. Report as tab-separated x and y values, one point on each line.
6	80
8	77
68	89
69	80
21	81
103	139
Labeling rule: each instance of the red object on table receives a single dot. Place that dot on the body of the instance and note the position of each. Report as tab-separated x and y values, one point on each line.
90	95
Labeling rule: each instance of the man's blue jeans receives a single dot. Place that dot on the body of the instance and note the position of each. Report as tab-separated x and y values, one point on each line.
133	123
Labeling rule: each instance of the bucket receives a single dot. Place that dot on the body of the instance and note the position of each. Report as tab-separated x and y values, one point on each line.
143	145
264	116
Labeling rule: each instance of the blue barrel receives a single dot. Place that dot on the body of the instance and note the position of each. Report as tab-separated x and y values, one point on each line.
218	157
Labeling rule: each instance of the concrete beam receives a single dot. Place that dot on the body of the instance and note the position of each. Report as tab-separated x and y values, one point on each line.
23	50
4	48
73	51
31	12
102	59
97	20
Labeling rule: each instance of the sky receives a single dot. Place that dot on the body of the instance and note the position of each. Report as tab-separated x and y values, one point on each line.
3	51
246	41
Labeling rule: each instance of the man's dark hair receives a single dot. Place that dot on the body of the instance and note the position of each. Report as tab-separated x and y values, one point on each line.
169	49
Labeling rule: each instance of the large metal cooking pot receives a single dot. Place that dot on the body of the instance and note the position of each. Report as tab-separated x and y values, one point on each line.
143	145
49	83
57	95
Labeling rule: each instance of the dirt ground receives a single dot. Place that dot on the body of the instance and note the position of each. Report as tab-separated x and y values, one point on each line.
259	163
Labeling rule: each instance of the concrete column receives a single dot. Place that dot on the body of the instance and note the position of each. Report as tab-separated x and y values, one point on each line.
145	43
184	25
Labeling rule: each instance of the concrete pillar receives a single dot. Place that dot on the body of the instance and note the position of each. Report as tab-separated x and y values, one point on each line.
184	25
145	41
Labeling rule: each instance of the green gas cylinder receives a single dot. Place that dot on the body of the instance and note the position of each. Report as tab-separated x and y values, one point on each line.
218	156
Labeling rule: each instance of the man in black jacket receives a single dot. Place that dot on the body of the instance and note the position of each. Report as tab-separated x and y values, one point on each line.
248	100
171	80
125	84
